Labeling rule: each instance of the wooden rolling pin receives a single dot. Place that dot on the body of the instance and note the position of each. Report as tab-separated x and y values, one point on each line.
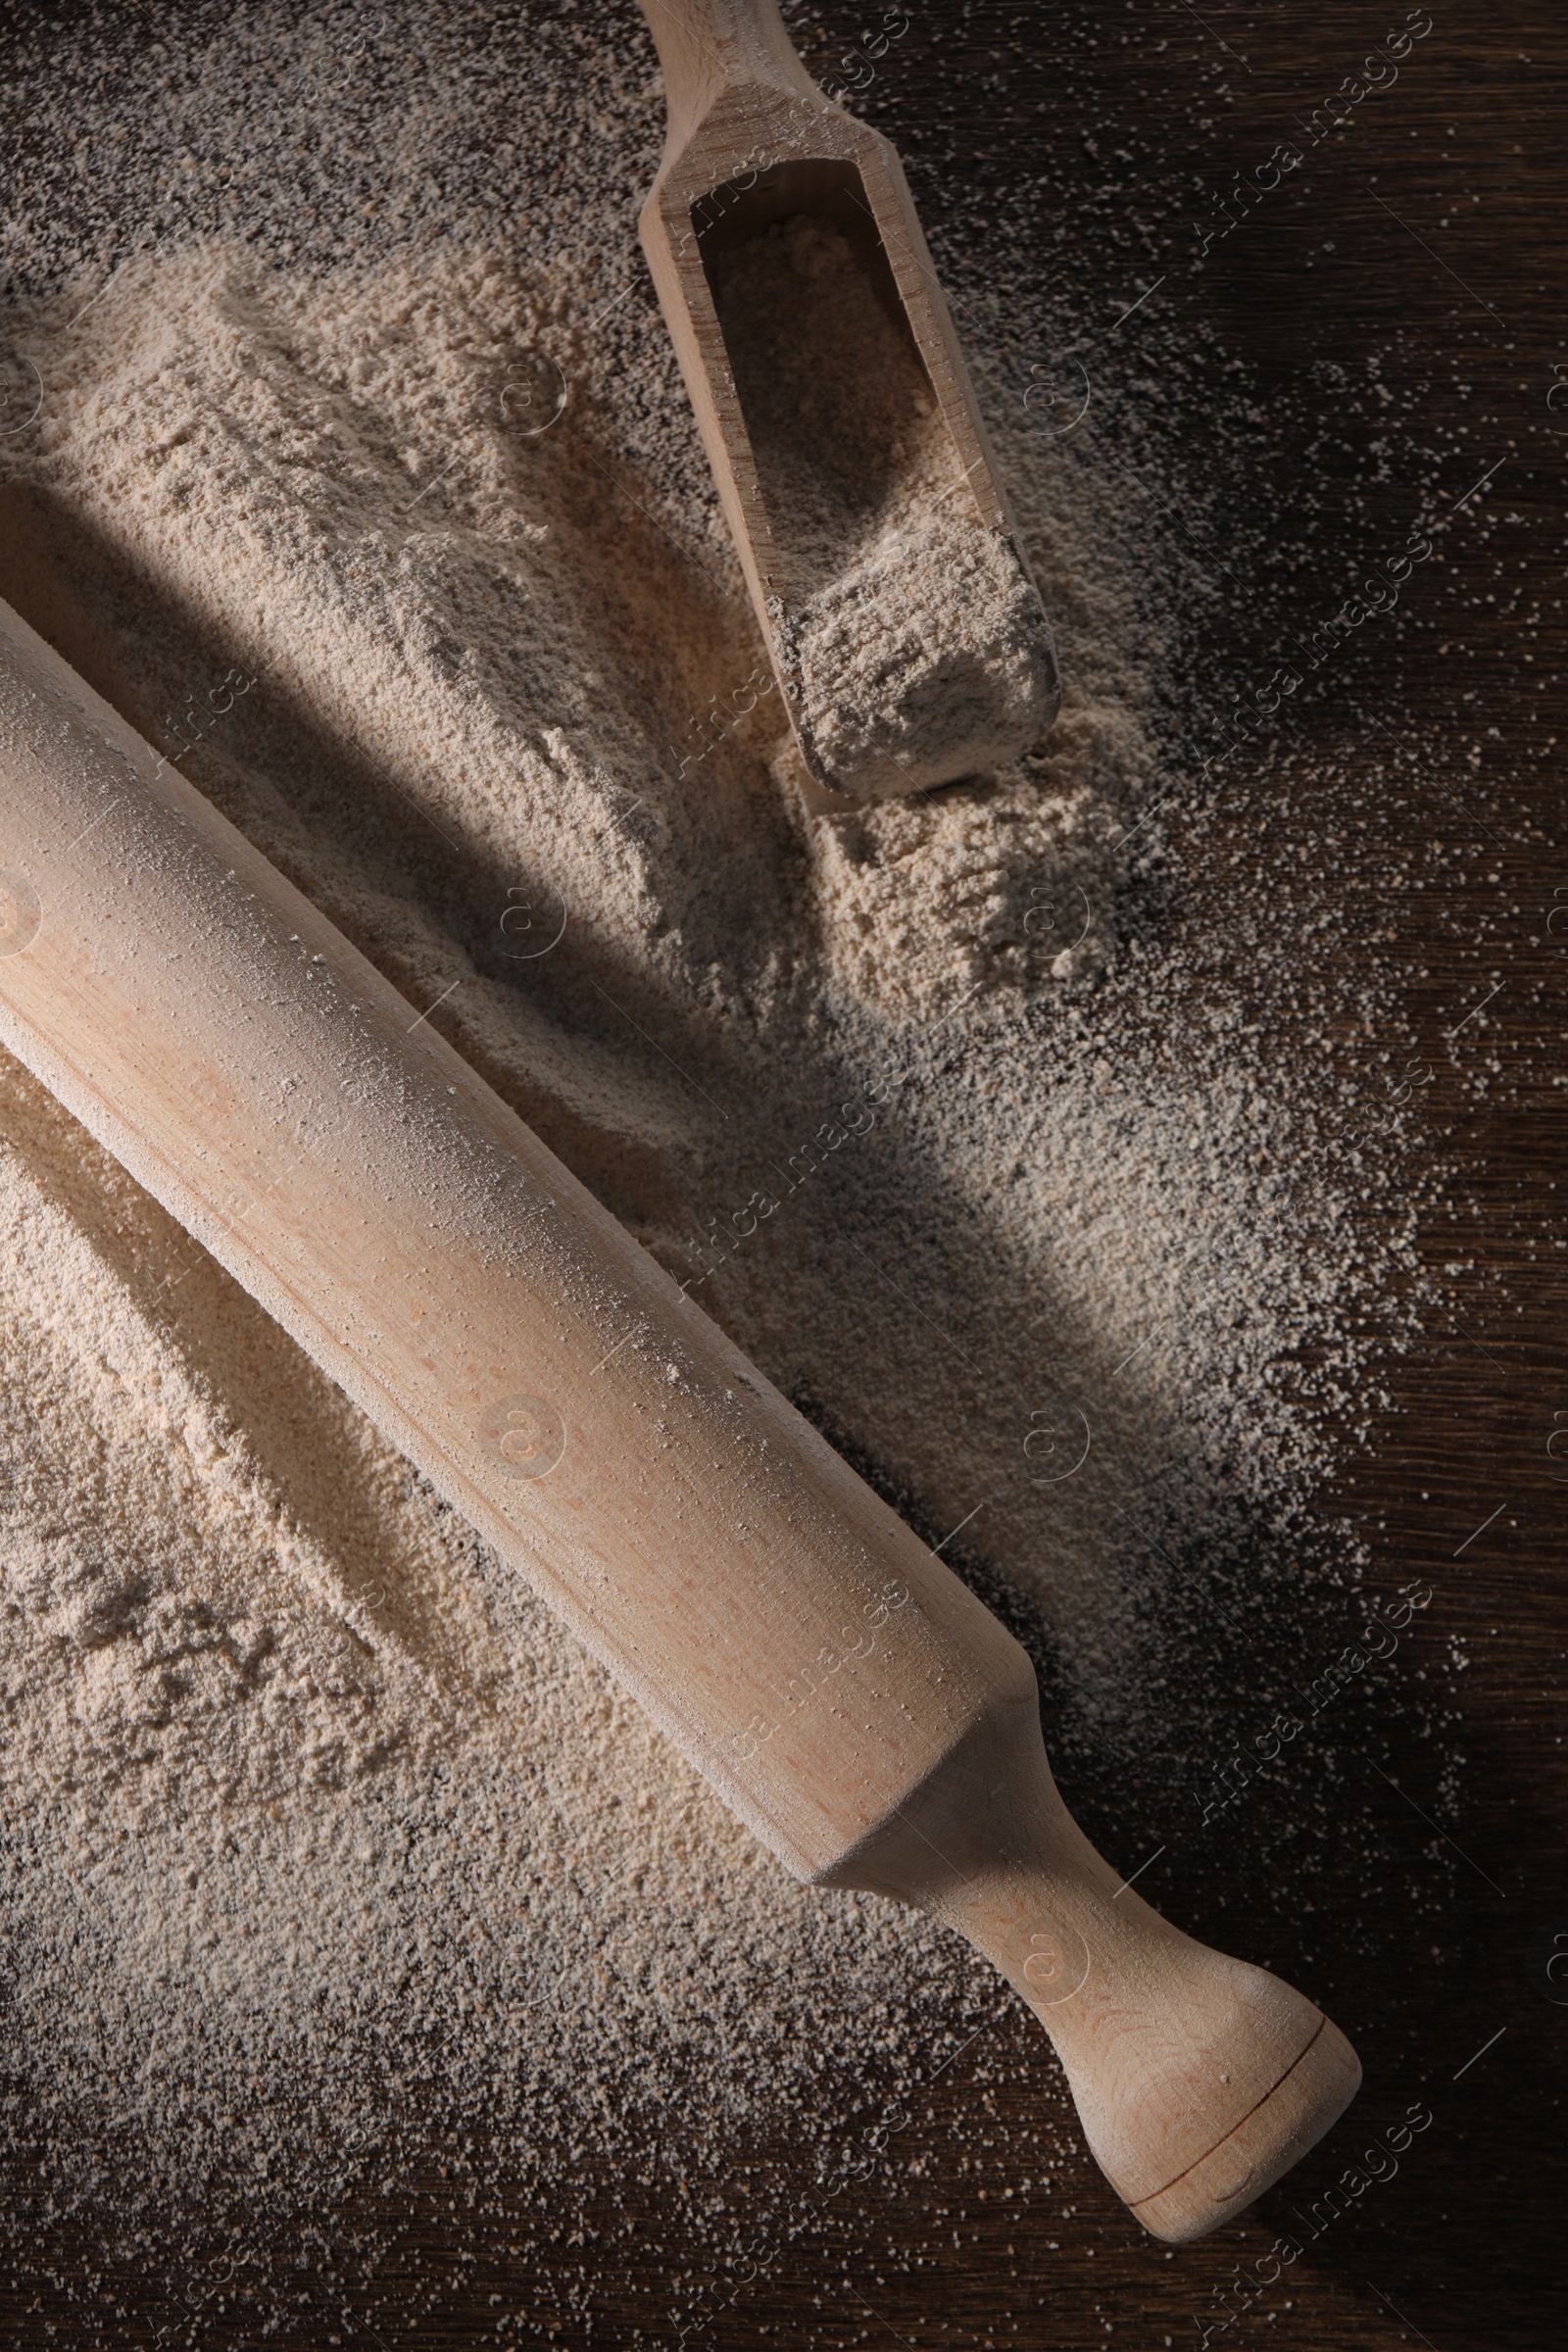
840	1687
966	677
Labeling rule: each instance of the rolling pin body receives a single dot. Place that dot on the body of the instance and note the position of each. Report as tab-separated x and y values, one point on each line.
846	1694
280	1097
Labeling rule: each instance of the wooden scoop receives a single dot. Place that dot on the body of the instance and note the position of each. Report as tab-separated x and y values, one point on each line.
834	1681
906	635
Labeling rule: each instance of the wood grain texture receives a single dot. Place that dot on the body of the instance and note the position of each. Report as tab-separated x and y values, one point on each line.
950	2236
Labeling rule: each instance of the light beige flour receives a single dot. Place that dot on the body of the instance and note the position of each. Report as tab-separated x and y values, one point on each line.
313	1822
914	641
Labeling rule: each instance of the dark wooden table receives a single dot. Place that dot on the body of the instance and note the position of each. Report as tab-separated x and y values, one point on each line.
1420	245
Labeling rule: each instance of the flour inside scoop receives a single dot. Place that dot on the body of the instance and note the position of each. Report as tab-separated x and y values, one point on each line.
911	638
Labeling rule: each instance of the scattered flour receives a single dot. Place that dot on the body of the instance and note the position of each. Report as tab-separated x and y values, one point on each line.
400	546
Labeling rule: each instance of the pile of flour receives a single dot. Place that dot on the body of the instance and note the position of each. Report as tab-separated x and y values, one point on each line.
914	641
400	544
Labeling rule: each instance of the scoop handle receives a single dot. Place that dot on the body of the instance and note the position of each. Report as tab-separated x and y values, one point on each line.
1198	2079
708	48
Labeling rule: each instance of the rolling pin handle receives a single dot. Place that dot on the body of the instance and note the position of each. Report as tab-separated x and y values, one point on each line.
1198	2079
